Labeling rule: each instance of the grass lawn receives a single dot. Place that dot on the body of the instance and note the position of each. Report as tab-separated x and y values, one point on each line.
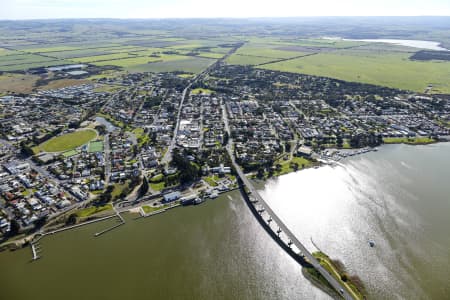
138	132
286	165
148	209
157	178
201	91
231	177
118	188
141	137
318	278
96	146
211	180
70	153
112	120
68	141
337	273
159	186
411	141
82	213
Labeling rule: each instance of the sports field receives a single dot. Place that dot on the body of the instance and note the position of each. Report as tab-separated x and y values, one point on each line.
68	141
96	146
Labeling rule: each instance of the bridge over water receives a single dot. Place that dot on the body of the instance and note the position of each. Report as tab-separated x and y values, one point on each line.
275	226
284	236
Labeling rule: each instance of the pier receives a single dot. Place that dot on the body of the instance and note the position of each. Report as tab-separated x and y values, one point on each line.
122	221
81	224
108	229
35	249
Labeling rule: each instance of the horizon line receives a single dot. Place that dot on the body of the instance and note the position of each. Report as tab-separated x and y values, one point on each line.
228	18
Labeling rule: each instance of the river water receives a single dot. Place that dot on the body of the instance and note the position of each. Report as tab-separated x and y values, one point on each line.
398	197
216	250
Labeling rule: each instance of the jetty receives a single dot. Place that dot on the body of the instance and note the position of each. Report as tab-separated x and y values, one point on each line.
35	249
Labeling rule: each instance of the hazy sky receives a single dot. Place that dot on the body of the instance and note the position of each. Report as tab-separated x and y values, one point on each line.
38	9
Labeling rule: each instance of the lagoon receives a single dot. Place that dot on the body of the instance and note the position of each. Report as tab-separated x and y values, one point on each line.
429	45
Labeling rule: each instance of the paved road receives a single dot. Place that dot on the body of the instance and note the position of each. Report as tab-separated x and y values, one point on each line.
168	156
107	159
336	285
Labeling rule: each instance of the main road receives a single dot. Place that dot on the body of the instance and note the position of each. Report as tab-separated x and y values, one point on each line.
168	155
251	189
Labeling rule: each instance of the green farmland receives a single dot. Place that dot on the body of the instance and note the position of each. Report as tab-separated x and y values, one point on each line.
386	69
68	141
266	51
166	50
373	63
149	54
239	59
180	63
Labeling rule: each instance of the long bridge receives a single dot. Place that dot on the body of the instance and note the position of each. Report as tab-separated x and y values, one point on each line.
267	216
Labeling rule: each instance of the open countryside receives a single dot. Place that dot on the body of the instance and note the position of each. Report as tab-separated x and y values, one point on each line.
358	61
385	68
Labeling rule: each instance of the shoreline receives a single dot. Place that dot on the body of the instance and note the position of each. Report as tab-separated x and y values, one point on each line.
354	152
